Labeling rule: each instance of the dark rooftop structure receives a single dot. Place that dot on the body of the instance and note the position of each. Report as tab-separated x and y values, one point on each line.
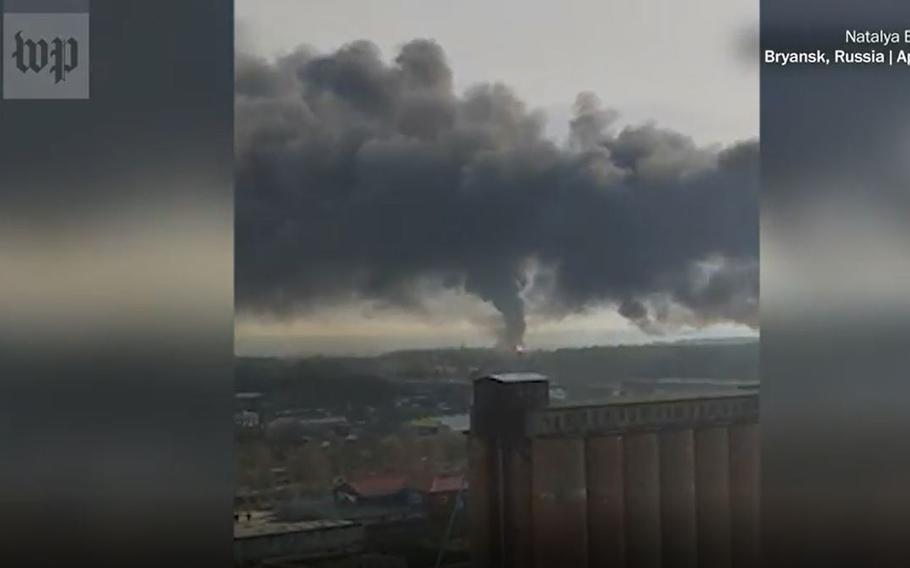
661	480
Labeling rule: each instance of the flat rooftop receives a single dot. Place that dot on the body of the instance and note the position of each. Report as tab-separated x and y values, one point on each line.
655	398
515	377
258	527
248	395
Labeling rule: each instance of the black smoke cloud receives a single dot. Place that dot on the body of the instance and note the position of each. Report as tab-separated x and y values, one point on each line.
362	179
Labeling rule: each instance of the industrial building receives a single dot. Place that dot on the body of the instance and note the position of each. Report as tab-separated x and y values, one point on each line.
657	481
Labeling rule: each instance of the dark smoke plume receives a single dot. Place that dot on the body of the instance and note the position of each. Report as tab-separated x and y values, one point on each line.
361	179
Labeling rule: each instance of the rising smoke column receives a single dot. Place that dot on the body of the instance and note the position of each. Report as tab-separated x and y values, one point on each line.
358	178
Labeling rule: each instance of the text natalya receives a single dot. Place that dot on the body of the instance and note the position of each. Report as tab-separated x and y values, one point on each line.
879	37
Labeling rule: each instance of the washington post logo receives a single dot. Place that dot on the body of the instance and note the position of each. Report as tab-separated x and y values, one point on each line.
35	55
45	54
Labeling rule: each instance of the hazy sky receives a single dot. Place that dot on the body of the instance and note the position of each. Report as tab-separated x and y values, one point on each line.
679	63
682	65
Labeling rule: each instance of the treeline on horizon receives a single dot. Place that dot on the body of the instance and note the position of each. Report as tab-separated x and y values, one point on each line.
374	381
